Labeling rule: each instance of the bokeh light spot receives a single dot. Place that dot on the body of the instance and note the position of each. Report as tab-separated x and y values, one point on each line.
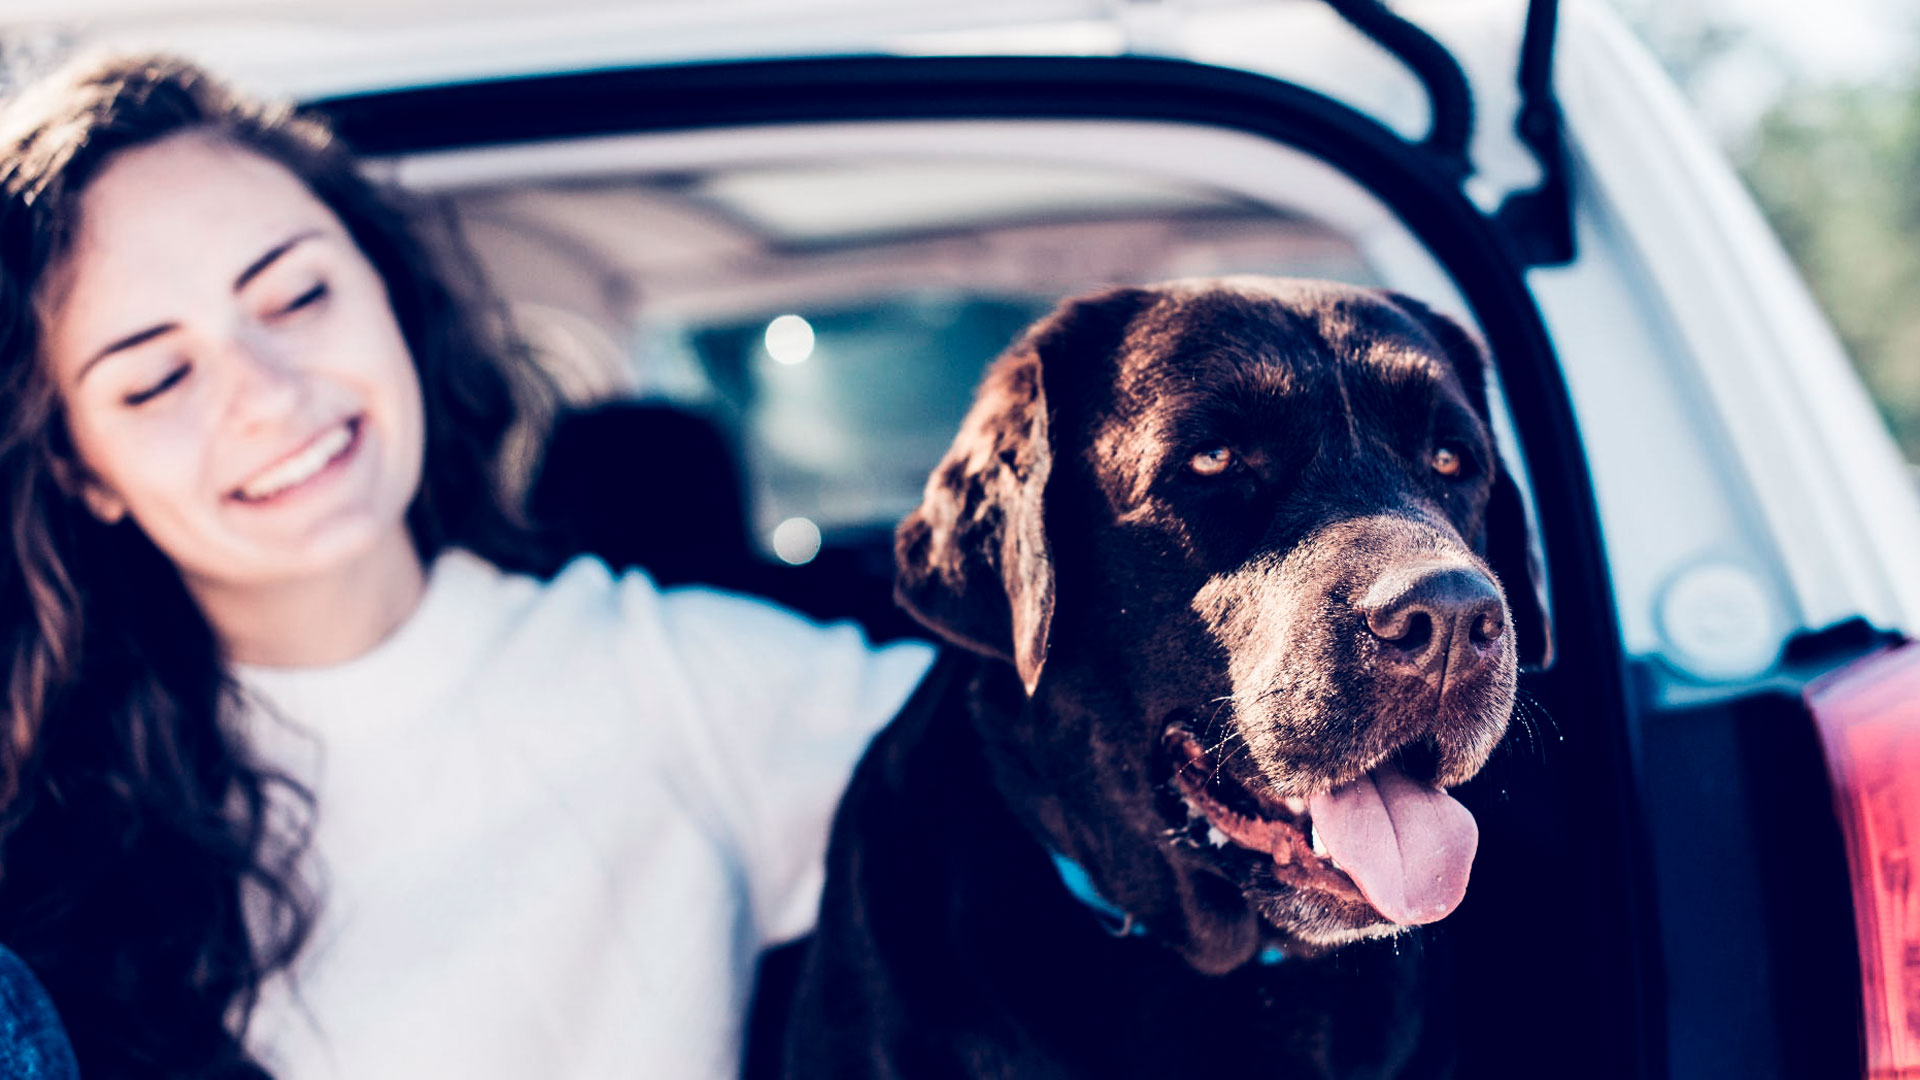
796	541
790	339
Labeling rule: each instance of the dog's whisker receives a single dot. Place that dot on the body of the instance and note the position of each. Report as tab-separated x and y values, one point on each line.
1221	764
1525	719
1224	742
1534	707
1531	712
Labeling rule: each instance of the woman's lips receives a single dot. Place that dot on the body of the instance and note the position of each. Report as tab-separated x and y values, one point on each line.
318	456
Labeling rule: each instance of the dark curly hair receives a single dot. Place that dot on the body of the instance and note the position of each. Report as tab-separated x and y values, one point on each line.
133	822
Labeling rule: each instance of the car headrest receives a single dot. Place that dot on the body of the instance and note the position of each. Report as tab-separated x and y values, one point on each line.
647	484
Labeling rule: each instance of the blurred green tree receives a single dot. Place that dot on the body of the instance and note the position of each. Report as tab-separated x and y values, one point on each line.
1836	169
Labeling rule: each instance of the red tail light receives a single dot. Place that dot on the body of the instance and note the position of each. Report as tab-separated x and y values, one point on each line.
1868	716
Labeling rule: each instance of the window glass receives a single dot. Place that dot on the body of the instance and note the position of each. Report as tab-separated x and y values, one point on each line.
829	295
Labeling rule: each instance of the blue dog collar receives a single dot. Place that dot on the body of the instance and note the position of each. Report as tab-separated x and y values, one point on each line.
1074	877
1112	919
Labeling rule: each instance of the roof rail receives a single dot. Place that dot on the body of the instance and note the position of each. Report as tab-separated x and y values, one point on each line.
1539	222
1450	100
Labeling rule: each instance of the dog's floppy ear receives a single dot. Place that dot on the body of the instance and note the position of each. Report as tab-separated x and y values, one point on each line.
973	561
1509	550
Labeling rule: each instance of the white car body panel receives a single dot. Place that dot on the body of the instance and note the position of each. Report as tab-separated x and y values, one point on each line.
1837	501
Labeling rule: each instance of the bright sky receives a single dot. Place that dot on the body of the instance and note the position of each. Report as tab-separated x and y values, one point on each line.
1836	39
1826	38
1785	40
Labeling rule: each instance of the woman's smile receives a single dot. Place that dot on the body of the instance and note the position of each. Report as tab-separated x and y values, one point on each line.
322	457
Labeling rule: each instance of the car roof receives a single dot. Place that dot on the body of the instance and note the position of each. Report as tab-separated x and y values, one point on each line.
310	49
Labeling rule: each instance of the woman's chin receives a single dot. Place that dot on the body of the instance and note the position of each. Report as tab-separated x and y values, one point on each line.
337	552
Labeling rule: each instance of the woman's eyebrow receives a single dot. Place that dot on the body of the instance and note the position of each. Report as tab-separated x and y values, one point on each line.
138	337
259	265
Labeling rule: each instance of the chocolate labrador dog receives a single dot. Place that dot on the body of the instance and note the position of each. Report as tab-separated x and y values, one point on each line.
1239	589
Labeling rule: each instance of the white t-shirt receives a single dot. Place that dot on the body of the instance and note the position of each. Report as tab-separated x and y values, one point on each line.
556	821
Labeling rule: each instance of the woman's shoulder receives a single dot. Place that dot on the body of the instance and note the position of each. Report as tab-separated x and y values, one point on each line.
589	588
584	588
707	632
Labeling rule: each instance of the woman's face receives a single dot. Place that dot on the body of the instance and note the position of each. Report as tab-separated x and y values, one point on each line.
234	378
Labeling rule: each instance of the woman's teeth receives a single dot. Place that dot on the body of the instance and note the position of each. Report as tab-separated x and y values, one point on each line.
299	468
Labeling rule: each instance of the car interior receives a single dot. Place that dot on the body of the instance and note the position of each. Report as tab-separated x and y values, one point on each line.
766	337
761	361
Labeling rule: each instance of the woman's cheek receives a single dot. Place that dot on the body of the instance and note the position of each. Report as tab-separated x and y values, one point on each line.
171	455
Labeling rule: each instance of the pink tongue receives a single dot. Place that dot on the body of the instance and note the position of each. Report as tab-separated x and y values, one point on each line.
1408	846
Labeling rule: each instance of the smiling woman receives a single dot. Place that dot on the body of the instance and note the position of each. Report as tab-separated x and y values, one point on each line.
272	621
169	367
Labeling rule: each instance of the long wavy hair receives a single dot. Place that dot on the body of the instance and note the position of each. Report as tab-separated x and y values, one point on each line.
149	866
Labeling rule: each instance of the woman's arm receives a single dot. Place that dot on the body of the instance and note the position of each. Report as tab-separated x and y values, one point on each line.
776	711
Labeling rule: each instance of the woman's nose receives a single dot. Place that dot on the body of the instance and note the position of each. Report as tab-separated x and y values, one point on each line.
267	383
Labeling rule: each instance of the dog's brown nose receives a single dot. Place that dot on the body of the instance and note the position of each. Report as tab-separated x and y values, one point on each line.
1436	620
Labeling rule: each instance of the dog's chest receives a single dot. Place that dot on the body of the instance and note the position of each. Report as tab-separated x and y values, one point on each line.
949	946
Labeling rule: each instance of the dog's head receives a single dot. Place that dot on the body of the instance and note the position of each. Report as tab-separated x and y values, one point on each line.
1249	546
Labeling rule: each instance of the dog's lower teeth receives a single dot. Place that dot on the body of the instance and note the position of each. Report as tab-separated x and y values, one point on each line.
1216	837
1319	845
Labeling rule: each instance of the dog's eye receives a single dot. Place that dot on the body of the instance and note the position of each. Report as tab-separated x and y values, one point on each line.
1448	461
1212	461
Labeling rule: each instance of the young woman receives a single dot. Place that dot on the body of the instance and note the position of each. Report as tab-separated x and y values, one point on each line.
305	773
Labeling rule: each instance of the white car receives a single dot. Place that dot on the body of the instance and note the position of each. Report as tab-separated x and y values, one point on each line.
798	228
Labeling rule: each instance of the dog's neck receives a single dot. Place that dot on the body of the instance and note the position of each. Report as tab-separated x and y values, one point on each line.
1036	752
1116	921
1010	727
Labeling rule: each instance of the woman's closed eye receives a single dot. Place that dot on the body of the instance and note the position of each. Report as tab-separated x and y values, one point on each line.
306	299
167	382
